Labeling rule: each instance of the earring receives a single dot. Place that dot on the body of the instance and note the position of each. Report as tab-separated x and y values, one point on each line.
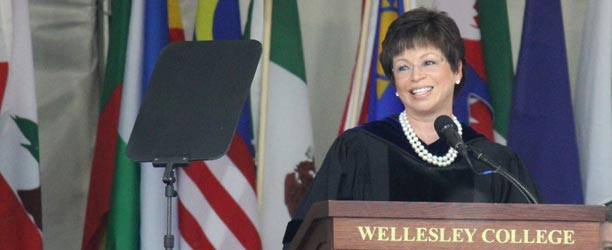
458	81
396	94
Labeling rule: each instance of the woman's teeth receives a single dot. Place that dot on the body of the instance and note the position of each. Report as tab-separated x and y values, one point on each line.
421	90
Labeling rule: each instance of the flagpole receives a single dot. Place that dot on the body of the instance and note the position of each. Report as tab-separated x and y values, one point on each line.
363	40
263	100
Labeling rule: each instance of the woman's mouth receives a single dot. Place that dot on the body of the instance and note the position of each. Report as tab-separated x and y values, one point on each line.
421	90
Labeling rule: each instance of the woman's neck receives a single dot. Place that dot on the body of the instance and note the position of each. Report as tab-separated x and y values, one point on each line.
423	127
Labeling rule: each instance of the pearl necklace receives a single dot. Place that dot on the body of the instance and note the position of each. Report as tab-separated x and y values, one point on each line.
440	161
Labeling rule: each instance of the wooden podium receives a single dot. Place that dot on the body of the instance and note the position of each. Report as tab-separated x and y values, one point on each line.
423	225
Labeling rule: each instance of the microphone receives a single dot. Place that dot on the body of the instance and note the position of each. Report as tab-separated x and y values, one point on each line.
447	129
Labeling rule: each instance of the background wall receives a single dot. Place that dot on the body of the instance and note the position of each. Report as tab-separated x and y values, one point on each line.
65	42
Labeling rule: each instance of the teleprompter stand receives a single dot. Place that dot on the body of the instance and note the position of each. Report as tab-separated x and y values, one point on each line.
191	108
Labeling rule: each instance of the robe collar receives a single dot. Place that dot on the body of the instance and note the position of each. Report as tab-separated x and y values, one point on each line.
390	129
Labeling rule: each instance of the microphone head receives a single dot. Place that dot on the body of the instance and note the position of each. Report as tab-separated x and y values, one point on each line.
442	124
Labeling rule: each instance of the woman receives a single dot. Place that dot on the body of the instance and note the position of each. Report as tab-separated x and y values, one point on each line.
401	158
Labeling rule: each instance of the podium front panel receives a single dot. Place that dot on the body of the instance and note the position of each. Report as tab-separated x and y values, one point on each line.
360	233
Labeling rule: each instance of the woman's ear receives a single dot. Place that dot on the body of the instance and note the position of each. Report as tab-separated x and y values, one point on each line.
459	72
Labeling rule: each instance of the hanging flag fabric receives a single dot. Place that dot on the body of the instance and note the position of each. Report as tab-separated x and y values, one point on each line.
497	53
355	112
472	104
541	127
288	139
371	95
20	206
593	104
382	101
217	199
254	31
126	206
109	156
156	34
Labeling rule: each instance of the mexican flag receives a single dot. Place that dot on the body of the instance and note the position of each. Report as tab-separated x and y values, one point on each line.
288	139
20	206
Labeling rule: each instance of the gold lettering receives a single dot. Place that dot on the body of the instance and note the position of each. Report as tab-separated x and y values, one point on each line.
393	235
506	236
421	234
470	234
526	237
366	232
407	234
433	234
554	240
484	235
442	234
513	238
457	235
541	236
568	236
382	233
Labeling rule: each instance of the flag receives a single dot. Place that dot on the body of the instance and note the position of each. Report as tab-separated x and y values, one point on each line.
288	139
217	198
20	206
497	53
371	96
153	35
593	104
108	146
472	104
355	112
119	215
382	101
541	129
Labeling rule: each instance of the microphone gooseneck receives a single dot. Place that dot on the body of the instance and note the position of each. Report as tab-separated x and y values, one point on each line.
498	169
446	128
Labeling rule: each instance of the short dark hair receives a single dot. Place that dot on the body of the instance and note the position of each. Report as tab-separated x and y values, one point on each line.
423	27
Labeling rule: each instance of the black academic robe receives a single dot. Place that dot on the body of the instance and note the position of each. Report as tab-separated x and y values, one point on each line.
375	162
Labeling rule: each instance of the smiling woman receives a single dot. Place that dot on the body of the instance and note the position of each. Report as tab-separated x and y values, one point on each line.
402	158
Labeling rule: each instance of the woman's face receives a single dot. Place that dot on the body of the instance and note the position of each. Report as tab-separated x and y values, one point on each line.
425	81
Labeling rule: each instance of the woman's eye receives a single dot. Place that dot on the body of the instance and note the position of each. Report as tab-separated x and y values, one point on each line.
429	62
402	68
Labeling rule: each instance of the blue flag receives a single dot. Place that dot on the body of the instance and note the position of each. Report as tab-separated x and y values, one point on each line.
382	101
541	127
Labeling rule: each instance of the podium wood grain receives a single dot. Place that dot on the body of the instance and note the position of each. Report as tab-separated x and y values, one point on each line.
423	225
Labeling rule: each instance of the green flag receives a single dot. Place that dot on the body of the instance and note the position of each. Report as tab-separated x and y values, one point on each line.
497	52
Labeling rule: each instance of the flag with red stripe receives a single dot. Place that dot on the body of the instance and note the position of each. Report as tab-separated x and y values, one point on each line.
217	199
472	105
20	204
371	95
121	214
160	18
355	107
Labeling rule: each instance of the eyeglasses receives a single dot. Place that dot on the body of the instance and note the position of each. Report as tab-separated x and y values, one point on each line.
427	65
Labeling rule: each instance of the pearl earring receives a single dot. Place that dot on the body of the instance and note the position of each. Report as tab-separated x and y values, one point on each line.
458	81
396	94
